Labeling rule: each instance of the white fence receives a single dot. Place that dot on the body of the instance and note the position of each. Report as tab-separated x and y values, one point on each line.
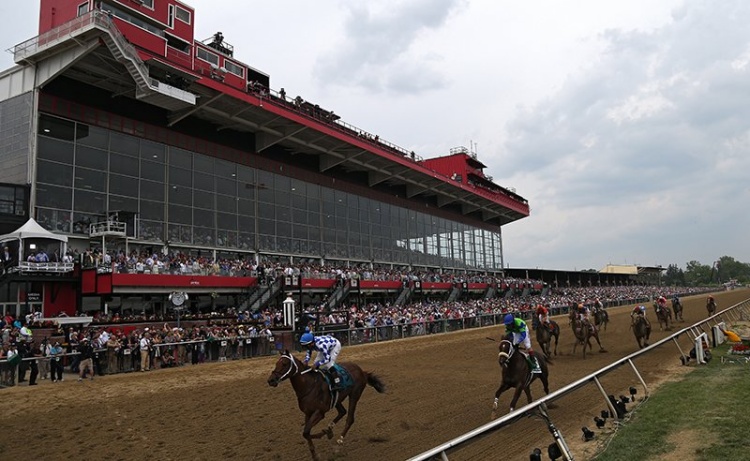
696	333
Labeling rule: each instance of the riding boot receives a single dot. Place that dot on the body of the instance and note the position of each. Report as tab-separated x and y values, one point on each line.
534	362
335	380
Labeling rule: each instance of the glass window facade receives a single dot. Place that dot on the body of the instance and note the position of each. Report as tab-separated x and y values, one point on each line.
85	173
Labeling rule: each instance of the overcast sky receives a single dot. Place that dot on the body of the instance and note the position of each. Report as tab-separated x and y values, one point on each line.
624	123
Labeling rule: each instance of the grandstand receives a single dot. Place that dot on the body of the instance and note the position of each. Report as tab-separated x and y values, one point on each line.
164	165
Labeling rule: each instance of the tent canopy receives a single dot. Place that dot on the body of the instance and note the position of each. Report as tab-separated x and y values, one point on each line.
32	230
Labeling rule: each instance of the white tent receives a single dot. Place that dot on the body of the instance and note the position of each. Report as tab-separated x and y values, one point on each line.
32	230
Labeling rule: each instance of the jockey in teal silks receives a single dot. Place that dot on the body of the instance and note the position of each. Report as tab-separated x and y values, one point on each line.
519	331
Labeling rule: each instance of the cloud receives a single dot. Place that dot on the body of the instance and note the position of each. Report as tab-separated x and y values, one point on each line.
380	48
639	144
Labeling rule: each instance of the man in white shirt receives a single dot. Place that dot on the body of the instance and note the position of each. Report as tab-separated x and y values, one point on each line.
145	344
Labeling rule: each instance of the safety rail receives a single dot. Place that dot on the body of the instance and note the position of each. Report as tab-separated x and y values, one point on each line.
114	228
540	405
49	267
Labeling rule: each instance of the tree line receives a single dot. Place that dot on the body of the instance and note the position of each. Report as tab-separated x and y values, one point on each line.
724	270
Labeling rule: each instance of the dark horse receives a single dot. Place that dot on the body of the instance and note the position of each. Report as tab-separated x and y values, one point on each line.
711	306
544	337
641	330
664	316
517	373
315	398
583	331
677	309
601	318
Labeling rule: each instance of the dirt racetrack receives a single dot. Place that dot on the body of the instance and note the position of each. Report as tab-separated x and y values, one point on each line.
439	387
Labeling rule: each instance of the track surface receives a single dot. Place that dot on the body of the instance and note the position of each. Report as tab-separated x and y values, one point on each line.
439	387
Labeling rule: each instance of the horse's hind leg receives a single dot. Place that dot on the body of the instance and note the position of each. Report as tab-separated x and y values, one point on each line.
353	399
341	412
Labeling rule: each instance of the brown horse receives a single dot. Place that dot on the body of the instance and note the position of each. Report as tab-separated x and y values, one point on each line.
641	330
711	306
315	398
517	373
664	316
677	309
583	331
601	318
544	335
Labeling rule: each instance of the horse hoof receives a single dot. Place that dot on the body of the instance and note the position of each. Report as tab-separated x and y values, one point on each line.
340	441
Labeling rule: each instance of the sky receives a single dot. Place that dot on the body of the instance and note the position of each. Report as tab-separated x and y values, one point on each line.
625	124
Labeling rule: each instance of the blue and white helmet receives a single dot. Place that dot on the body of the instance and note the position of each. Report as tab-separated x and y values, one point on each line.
306	338
509	319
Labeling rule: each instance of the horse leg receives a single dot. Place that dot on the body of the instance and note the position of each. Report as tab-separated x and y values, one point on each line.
311	420
341	412
516	396
556	339
353	399
503	387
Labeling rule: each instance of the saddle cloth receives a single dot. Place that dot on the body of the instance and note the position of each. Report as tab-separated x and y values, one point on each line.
344	377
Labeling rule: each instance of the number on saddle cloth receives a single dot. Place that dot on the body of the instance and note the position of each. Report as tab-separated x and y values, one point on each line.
345	379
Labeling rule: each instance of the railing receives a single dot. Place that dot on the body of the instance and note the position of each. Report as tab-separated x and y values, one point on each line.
107	228
30	47
539	405
49	267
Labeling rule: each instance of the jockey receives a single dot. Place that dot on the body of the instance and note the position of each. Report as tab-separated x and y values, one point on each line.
710	301
597	305
583	311
542	313
327	348
638	311
520	332
675	300
661	303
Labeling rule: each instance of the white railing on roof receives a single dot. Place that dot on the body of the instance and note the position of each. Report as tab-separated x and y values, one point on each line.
107	228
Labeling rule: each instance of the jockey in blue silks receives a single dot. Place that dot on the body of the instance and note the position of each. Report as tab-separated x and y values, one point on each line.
520	336
327	348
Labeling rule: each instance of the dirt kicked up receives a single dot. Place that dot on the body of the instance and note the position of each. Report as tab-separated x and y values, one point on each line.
439	387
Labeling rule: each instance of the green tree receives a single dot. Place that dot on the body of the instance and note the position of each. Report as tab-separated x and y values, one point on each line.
697	274
729	268
674	276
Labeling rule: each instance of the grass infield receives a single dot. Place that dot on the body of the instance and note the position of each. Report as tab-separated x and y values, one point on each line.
702	417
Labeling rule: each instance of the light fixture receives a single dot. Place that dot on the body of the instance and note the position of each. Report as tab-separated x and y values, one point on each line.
46	130
32	246
587	434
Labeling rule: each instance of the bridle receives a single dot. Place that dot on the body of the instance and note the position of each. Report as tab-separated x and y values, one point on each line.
293	367
508	354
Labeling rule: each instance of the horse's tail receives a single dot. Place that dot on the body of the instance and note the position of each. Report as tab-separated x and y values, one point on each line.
375	381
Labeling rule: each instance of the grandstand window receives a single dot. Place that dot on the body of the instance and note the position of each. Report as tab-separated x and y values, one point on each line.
205	55
203	181
88	157
180	214
233	68
124	144
151	210
117	203
56	127
203	199
283	229
266	210
179	195
152	190
91	180
93	136
226	221
148	230
170	17
152	171
226	170
123	185
54	173
203	163
121	164
180	177
266	226
88	202
57	151
246	207
182	14
54	220
180	158
54	197
227	204
246	223
83	8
